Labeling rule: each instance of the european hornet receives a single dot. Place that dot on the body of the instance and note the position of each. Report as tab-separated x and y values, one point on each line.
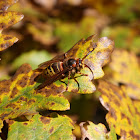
62	66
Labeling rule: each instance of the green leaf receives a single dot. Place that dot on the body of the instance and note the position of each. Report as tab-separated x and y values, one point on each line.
70	32
112	134
31	58
19	97
42	128
123	37
97	132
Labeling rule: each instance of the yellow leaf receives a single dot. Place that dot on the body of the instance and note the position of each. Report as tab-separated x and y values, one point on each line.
5	4
123	115
7	41
19	97
8	19
126	71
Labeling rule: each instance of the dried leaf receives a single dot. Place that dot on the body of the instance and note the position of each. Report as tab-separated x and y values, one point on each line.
19	97
97	132
41	128
126	71
123	115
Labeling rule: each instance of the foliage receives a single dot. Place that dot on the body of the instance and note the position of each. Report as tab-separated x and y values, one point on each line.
65	30
123	115
102	50
30	58
126	71
49	29
40	127
7	19
19	94
97	132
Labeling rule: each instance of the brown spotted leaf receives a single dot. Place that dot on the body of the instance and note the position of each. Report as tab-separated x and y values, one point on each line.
100	56
97	132
7	41
42	128
8	19
19	97
126	70
123	114
95	61
5	4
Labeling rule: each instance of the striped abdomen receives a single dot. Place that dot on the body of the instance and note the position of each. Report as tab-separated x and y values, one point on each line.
53	69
